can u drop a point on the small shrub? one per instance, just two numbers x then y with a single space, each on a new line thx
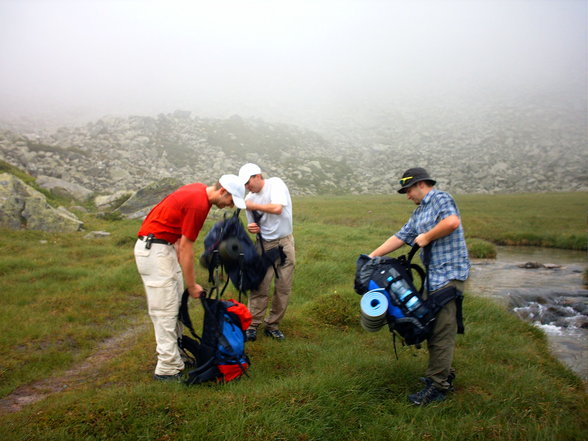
334 309
481 249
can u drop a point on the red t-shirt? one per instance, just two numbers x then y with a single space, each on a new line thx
183 212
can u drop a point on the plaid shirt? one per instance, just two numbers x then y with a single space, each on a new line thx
449 255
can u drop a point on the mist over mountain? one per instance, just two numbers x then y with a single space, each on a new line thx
334 96
484 147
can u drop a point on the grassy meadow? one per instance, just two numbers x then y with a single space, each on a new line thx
64 295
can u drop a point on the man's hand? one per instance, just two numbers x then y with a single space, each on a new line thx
195 291
422 241
253 228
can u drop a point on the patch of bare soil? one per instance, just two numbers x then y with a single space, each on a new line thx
86 371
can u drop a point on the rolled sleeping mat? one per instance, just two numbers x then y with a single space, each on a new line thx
374 308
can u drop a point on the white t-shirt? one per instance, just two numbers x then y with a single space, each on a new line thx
273 226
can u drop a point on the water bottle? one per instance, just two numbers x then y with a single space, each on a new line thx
401 289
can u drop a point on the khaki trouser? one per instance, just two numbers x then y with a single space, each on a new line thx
259 299
164 285
441 344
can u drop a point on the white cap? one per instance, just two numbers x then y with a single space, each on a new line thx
235 186
248 170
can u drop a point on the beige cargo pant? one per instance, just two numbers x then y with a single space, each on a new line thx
164 285
259 299
441 345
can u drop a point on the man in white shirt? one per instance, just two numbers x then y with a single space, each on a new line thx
269 216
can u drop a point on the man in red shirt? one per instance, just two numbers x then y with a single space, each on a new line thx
164 254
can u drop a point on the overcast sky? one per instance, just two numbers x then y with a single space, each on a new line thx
100 57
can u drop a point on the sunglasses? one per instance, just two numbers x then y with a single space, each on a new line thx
403 181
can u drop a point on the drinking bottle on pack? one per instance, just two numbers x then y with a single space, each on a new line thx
405 294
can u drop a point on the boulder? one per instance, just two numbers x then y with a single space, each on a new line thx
531 265
64 188
23 207
105 202
97 235
139 205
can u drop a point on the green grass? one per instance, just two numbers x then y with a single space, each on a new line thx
62 295
556 220
481 249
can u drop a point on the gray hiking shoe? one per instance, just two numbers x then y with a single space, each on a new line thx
175 377
276 334
251 335
428 395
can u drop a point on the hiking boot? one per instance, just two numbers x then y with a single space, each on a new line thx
175 377
276 334
427 381
251 335
429 394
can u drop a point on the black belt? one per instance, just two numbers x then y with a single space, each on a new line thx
152 239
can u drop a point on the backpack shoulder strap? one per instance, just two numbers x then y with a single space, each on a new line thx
407 261
184 315
257 217
412 252
422 275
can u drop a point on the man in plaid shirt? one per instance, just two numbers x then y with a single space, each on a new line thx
436 225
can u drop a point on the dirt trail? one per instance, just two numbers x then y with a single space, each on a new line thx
79 374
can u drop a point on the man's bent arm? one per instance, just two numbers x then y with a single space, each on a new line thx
442 229
266 208
391 244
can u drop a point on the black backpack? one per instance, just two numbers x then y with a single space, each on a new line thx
219 354
408 314
227 245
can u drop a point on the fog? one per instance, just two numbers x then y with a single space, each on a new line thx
285 59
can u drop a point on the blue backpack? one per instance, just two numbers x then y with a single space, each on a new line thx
407 314
219 353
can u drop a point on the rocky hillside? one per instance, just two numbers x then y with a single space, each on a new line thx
494 151
114 154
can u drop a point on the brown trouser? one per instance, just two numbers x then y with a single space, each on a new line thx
441 344
259 299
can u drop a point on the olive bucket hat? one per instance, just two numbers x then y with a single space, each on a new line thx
412 176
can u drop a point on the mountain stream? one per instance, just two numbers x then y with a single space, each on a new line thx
545 287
